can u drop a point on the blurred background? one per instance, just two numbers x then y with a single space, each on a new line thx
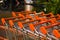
7 6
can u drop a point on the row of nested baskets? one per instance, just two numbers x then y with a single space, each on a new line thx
27 25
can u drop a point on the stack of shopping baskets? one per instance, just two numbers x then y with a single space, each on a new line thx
27 25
